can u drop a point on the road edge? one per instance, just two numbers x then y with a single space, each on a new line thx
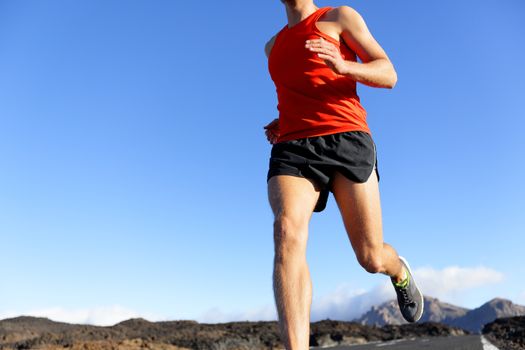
487 345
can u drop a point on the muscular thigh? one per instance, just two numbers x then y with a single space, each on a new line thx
292 197
360 207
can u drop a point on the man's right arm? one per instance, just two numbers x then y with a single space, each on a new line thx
269 45
272 129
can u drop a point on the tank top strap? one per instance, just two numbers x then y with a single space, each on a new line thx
315 17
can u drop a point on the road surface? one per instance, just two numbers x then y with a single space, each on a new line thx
468 342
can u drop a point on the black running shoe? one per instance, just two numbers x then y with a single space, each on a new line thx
409 296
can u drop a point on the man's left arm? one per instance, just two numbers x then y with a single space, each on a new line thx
376 70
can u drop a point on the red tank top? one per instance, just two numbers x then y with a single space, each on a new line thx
312 99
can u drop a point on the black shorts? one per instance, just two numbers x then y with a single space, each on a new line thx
352 153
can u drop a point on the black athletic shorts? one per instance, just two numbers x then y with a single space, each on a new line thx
352 153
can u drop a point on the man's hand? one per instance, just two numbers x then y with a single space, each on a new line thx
329 53
272 131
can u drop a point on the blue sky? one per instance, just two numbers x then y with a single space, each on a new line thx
134 161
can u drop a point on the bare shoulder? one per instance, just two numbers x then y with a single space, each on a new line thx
357 36
349 18
347 11
269 45
339 20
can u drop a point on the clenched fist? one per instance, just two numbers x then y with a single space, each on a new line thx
272 131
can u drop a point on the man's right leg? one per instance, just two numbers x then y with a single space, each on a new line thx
293 200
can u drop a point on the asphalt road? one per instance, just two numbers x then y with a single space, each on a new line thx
469 342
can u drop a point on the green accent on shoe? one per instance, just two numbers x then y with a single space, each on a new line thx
403 283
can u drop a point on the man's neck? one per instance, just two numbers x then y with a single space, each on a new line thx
298 10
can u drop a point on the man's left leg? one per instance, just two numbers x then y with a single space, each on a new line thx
360 207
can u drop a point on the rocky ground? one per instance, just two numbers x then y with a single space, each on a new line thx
507 333
41 333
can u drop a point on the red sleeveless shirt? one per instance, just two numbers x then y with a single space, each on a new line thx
313 100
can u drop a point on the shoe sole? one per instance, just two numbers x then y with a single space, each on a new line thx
418 316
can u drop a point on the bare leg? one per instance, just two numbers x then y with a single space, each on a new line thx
360 208
292 200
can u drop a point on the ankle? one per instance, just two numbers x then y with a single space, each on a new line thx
401 277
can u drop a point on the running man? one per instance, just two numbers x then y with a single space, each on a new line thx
321 144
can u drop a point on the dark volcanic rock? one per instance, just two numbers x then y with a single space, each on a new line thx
41 333
30 333
331 333
506 333
432 329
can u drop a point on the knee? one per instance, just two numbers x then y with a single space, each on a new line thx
371 262
290 236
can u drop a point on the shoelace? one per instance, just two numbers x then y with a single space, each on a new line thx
404 294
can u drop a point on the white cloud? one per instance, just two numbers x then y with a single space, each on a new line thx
100 316
451 282
347 303
448 284
215 315
344 303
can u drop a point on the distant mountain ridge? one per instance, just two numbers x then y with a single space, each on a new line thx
437 311
474 320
